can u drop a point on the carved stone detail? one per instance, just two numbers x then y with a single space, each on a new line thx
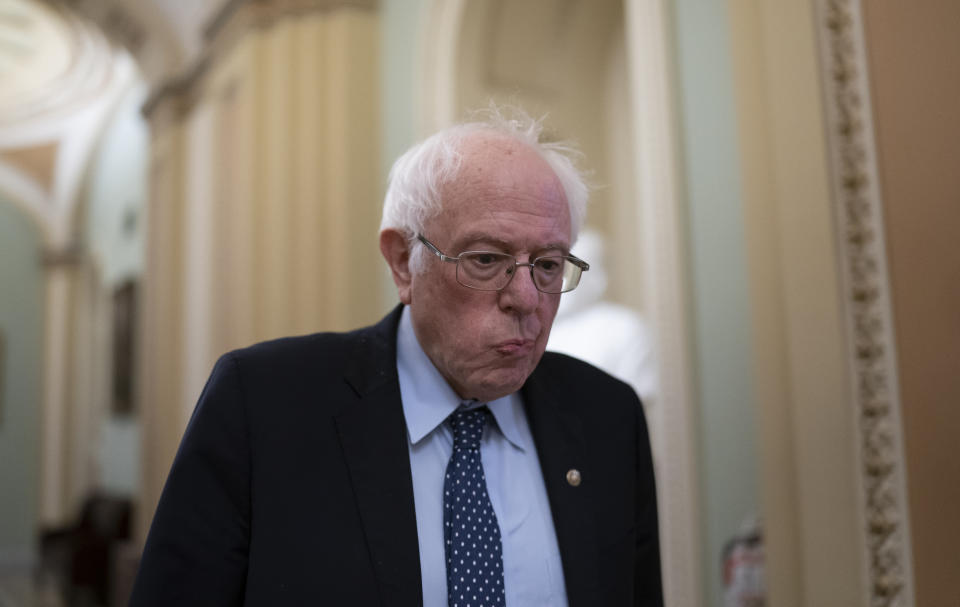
872 353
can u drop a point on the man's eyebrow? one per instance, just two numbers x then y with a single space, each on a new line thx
555 245
483 238
487 239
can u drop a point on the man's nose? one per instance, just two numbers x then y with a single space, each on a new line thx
521 295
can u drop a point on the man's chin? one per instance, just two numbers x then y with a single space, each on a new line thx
496 386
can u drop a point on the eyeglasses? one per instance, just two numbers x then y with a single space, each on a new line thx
491 271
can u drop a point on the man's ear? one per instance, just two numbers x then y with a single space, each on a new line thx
395 249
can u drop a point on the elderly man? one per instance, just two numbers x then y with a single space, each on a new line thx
439 457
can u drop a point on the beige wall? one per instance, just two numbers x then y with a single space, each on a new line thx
914 56
807 469
265 204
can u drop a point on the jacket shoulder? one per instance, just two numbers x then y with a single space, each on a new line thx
570 379
363 358
289 350
319 352
563 369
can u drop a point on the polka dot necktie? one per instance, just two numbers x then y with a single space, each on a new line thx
470 530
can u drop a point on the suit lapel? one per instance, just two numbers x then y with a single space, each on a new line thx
373 437
561 447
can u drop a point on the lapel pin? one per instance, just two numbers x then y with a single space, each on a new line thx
573 477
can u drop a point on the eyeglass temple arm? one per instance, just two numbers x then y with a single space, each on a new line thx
435 250
584 266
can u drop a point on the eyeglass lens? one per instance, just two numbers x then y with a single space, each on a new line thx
492 271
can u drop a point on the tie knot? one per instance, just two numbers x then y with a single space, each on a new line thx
467 426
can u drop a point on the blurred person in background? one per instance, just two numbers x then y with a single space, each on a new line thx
439 457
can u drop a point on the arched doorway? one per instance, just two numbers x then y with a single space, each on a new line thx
600 70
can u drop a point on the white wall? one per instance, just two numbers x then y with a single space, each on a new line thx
113 236
117 191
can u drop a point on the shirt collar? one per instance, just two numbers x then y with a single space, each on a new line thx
428 399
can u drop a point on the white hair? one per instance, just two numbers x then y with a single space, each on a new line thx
418 176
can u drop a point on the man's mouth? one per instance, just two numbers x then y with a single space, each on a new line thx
514 347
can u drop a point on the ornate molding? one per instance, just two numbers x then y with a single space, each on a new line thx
264 11
232 21
867 305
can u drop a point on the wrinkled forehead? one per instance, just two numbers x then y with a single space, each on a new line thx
494 165
484 151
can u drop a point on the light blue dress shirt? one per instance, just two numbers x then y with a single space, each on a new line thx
532 570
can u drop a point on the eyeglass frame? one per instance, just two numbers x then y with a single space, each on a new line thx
583 265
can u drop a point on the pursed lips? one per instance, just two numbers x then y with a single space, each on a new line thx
514 347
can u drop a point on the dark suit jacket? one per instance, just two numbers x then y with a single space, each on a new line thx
292 484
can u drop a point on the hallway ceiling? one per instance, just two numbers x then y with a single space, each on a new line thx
61 77
50 64
164 36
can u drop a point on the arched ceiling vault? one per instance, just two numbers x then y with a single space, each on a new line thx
64 66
